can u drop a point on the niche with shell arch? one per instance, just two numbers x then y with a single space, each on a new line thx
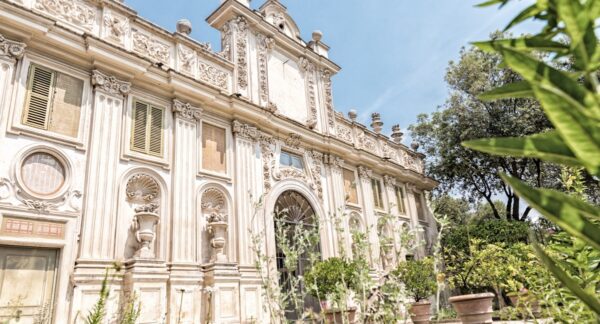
143 196
216 238
355 227
386 243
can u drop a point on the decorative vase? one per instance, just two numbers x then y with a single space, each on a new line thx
474 308
420 312
218 230
145 233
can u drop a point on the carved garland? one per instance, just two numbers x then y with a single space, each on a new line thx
150 47
71 198
242 49
329 98
212 75
265 43
75 12
309 68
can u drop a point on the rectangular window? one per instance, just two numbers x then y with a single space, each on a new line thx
377 193
53 101
214 146
147 129
287 159
400 199
419 206
350 187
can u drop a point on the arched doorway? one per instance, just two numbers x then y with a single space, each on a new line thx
295 215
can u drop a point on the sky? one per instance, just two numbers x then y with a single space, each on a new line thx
393 53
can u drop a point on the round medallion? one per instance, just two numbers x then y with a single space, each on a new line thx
43 174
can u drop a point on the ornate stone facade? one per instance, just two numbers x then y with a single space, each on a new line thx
163 154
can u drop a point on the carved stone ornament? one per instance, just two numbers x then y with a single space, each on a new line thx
294 141
76 12
11 48
187 59
213 200
389 181
365 173
11 193
117 27
186 111
213 75
265 43
345 134
241 46
326 75
316 169
142 189
268 158
245 131
333 161
226 36
213 206
149 47
110 84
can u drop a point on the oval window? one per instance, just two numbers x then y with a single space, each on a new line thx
42 173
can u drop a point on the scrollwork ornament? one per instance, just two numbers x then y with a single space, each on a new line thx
365 173
186 111
11 48
110 84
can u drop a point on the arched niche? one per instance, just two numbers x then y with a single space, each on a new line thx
386 243
214 202
141 190
355 228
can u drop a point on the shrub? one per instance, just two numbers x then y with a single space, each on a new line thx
488 232
418 277
327 278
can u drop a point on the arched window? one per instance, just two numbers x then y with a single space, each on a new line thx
296 228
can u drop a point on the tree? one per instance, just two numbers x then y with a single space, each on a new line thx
464 117
457 209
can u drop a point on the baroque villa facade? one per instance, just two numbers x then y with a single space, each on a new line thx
123 142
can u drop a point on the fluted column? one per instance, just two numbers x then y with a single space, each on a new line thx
10 53
99 216
337 199
248 185
365 176
184 218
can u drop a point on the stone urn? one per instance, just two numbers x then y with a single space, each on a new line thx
145 233
420 312
474 308
218 230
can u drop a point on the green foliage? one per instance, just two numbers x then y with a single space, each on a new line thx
456 209
457 238
131 311
418 277
571 101
98 312
328 277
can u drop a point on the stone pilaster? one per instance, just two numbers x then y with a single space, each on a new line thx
184 245
10 53
337 199
365 176
99 219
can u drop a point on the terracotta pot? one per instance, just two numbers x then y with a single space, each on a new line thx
475 308
337 316
521 300
420 313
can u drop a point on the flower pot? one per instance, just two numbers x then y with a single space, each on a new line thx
336 316
475 308
524 300
420 313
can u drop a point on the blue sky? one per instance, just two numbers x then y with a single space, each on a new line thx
393 53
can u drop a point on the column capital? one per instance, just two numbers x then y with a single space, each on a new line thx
365 173
186 111
389 181
335 162
110 84
9 48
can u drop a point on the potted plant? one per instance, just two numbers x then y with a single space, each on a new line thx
466 273
527 271
418 277
331 281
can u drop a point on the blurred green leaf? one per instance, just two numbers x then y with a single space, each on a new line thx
589 299
520 89
529 43
570 213
546 146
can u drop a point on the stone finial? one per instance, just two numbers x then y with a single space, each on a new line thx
397 134
376 124
184 26
352 114
414 146
317 35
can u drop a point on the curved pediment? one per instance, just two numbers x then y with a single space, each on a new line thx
276 14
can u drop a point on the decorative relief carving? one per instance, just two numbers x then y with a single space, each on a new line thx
389 153
316 168
333 161
389 181
187 59
241 44
245 131
365 173
265 43
150 47
309 68
213 200
367 143
75 12
110 84
11 48
226 36
186 111
326 74
9 191
117 27
213 75
294 141
345 134
268 157
142 189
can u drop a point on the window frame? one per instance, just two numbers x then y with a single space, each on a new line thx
401 200
229 148
127 153
356 189
380 196
148 128
20 95
292 154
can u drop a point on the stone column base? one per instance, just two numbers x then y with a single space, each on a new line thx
221 293
146 280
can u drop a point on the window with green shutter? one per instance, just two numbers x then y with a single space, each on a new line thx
53 101
147 129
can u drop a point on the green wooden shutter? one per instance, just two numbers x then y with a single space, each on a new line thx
40 91
139 127
155 138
